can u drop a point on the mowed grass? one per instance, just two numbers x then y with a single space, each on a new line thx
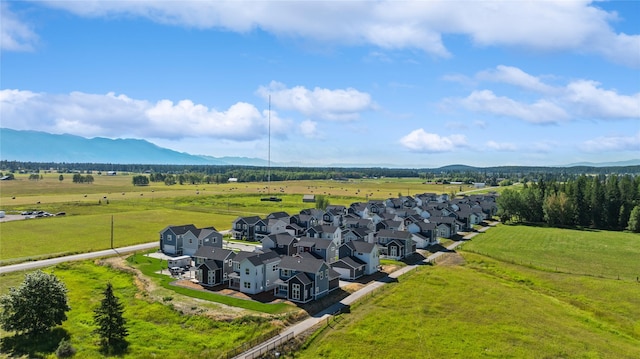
156 330
469 311
151 266
589 252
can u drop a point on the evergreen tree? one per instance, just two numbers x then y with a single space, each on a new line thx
111 324
634 220
38 304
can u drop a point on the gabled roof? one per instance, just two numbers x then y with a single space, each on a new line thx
206 232
278 215
302 278
349 262
242 255
214 253
263 258
361 246
283 239
211 264
248 220
325 229
320 243
302 264
179 230
387 233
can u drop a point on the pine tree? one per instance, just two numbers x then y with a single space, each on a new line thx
111 324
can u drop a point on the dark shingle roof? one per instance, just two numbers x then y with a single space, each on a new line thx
306 264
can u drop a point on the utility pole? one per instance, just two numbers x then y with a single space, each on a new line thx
111 231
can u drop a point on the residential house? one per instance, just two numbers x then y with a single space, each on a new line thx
213 265
281 243
395 244
248 228
259 272
327 250
305 278
368 253
186 239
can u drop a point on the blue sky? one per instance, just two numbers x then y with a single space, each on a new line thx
391 83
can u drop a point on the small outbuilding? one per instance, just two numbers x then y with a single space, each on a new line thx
309 198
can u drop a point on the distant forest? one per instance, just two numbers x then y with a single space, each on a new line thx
604 202
220 174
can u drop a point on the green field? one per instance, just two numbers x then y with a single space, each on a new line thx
589 252
140 213
157 328
490 307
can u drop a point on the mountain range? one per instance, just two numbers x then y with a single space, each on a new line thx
36 146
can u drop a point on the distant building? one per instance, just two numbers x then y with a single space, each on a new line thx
309 198
232 179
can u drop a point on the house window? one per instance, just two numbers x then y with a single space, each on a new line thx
230 263
247 285
285 273
321 275
169 238
275 267
190 240
295 291
246 271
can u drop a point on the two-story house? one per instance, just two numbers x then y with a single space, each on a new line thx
213 265
305 278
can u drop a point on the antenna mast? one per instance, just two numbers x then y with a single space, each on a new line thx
269 153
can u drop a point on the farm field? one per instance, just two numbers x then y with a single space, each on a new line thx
582 252
491 307
140 213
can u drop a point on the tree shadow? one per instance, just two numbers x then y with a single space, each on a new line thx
36 345
117 348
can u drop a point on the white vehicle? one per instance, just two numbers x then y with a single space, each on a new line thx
180 262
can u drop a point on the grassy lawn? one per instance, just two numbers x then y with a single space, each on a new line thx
150 266
468 311
494 306
156 329
588 252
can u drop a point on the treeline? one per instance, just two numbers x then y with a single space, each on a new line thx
604 202
219 174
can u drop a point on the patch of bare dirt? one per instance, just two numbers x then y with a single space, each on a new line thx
148 290
450 259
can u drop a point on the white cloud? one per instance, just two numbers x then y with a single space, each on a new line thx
309 129
502 146
542 111
576 26
113 115
575 100
515 76
421 141
595 102
613 143
15 35
337 105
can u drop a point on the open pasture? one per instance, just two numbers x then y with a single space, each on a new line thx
584 252
141 212
490 307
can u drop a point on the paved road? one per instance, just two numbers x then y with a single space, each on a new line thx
310 322
104 253
76 257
